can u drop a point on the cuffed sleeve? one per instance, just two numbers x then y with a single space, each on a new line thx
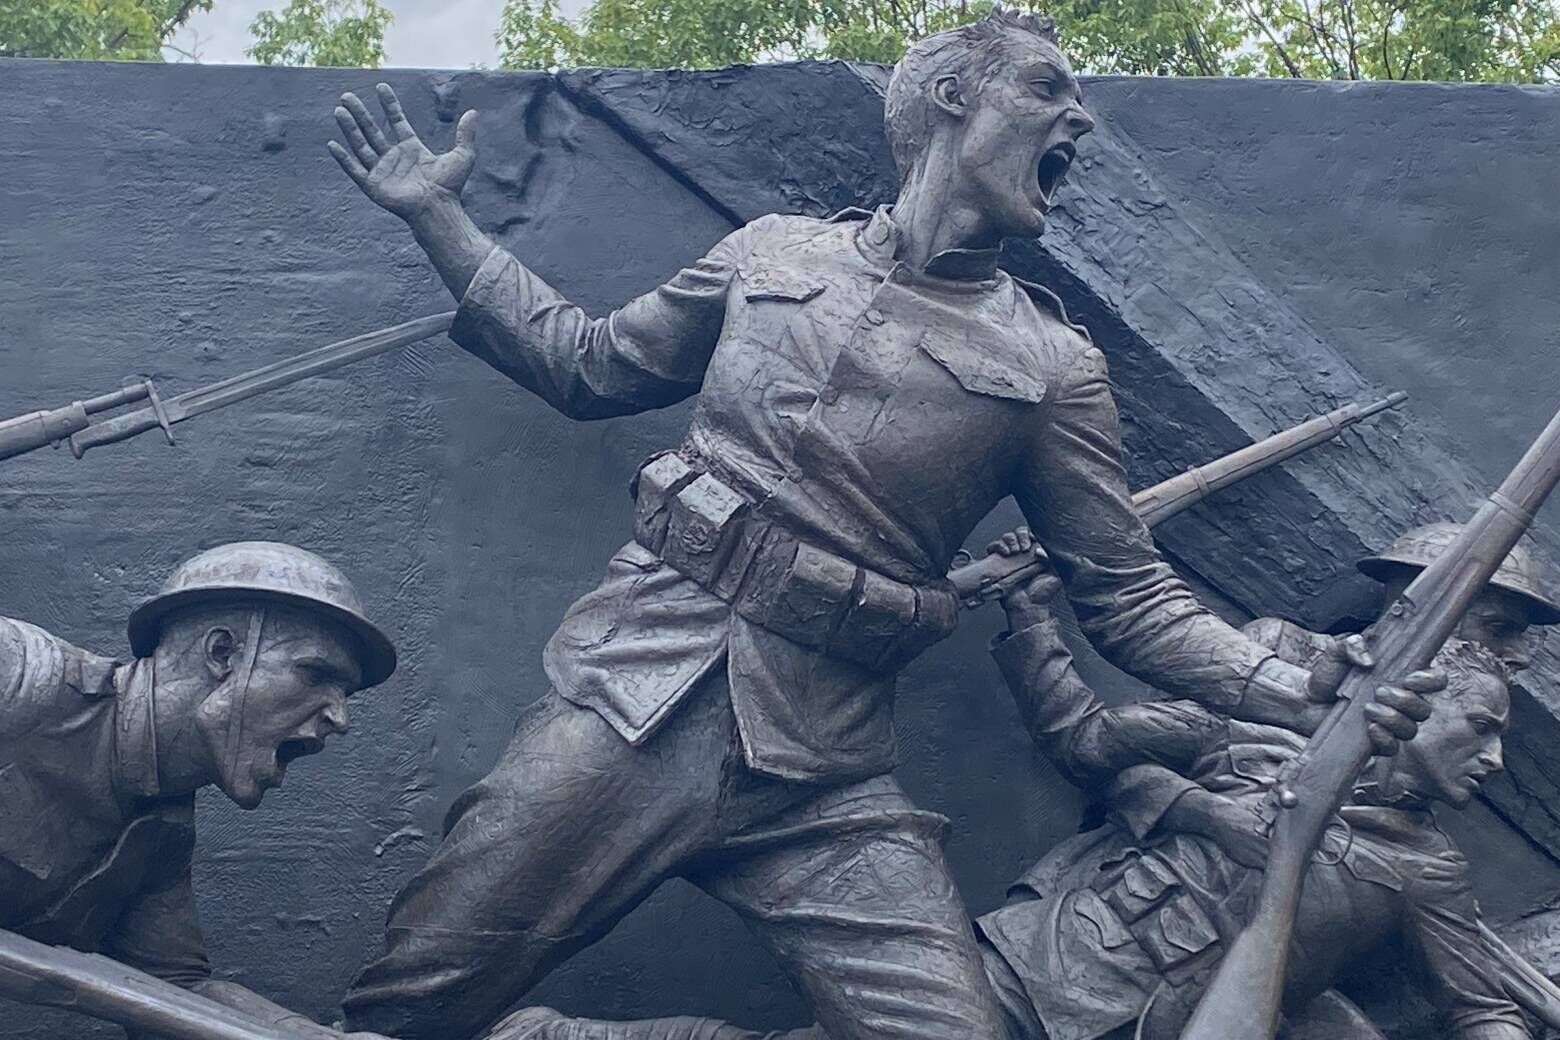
648 354
1140 797
1132 607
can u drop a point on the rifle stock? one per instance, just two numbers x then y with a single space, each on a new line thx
992 576
1243 1001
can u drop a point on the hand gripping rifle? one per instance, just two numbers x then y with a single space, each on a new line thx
74 423
91 984
1244 999
992 576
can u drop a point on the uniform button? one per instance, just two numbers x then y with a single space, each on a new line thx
828 395
874 316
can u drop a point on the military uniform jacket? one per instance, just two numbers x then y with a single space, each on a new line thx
872 410
90 855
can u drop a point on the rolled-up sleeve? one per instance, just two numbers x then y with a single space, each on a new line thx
1132 607
647 354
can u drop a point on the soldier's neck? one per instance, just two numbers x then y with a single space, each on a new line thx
933 216
184 760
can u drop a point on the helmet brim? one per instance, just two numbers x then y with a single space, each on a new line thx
1541 609
375 652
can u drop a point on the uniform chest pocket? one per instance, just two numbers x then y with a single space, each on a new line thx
990 367
767 281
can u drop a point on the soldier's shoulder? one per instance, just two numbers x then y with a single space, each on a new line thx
795 225
1064 345
37 667
1050 307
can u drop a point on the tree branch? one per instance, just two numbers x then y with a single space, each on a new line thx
1278 46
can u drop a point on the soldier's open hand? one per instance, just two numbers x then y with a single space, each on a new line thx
401 174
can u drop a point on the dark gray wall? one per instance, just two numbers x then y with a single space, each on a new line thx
186 223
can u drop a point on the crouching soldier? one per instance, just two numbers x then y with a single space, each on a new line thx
243 663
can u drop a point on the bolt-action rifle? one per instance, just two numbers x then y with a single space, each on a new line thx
73 423
992 576
89 983
1243 1001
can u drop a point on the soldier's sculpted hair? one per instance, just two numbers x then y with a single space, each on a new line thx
969 52
1464 661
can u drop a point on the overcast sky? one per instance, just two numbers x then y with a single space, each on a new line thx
435 34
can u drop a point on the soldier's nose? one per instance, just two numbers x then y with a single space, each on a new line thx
1079 121
335 716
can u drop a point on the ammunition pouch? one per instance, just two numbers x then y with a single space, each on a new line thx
710 533
1157 909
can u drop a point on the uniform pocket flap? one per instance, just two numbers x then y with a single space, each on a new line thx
979 371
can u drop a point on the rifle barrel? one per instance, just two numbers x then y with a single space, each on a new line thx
261 380
1244 998
91 984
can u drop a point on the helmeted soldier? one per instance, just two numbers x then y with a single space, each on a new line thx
243 663
869 387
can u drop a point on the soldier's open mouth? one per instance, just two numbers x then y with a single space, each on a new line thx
298 747
1052 168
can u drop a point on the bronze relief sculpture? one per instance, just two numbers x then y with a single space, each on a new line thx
865 389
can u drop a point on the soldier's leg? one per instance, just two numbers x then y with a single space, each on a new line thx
570 831
850 891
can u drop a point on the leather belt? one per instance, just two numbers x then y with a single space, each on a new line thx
707 531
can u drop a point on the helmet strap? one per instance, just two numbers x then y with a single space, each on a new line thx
240 680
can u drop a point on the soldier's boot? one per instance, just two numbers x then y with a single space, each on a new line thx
539 1023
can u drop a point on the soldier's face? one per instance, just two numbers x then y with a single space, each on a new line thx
1019 136
1499 621
296 697
1460 744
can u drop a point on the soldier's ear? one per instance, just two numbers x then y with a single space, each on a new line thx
948 95
220 645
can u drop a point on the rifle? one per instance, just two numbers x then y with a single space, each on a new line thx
991 576
73 422
1527 987
1243 1001
91 984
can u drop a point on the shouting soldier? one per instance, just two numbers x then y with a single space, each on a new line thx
243 663
721 705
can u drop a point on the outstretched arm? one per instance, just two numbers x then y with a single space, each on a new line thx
1133 608
650 353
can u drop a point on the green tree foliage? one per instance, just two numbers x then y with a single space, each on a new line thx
127 30
1489 40
343 33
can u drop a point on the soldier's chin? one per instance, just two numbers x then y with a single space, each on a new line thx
244 789
1462 792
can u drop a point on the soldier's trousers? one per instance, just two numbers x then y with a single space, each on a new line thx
846 885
